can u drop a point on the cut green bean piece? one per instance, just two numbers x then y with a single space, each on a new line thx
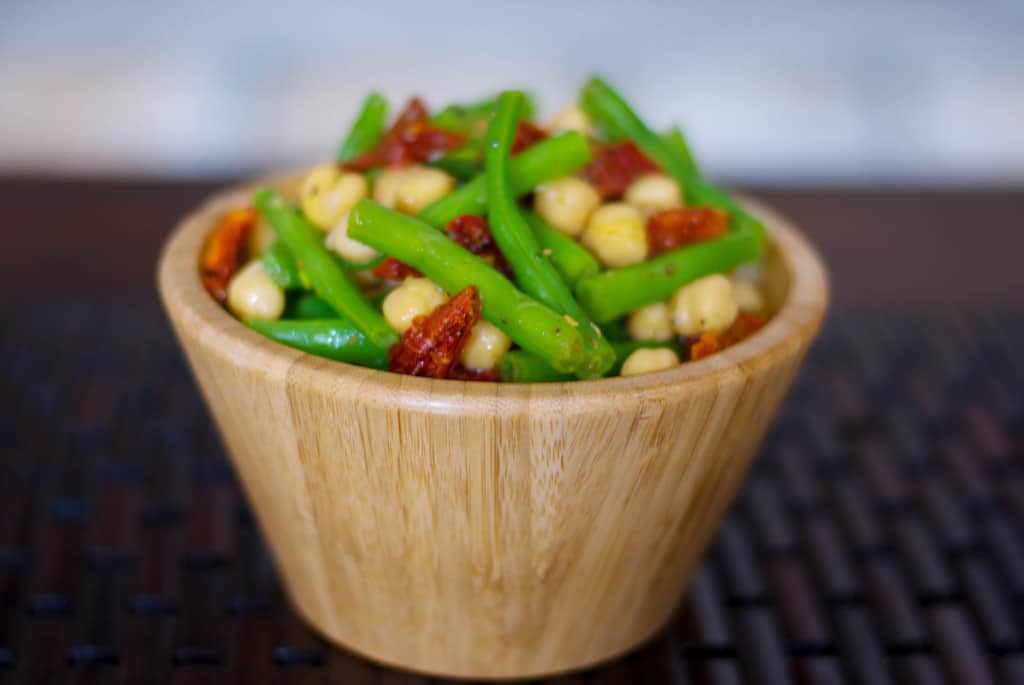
335 339
463 163
616 330
366 130
470 118
536 275
547 160
530 324
308 306
280 265
571 259
616 292
327 276
676 142
520 366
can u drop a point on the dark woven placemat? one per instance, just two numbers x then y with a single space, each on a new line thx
878 538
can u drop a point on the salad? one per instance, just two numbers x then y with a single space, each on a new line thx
476 244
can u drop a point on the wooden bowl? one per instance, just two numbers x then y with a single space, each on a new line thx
478 529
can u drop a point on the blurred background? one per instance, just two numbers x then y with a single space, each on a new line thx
800 92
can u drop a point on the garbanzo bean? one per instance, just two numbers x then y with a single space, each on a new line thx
747 295
654 192
652 322
486 346
352 251
414 297
566 203
328 194
705 306
420 187
649 360
616 235
252 294
571 118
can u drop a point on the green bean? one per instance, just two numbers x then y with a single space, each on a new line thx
616 292
612 293
676 142
571 259
280 265
366 130
616 330
703 194
519 366
327 276
308 306
613 114
463 163
470 118
332 338
534 274
549 159
530 324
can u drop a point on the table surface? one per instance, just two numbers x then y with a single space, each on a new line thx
879 537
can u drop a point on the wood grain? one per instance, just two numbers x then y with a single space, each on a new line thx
479 529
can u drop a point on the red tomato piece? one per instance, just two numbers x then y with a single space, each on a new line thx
222 254
432 344
672 228
472 232
615 166
527 135
411 139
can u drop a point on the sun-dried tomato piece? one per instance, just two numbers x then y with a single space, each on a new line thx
222 254
672 228
411 139
461 373
615 166
393 270
432 344
745 325
527 135
706 345
471 232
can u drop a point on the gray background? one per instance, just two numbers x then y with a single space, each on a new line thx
792 92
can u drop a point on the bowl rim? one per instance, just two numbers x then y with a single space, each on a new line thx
200 317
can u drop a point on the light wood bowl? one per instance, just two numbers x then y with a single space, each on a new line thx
478 529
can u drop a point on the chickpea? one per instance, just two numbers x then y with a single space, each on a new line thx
261 237
252 294
571 118
352 251
705 306
566 203
485 347
654 192
385 188
420 187
414 297
649 360
616 234
328 194
747 295
652 322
